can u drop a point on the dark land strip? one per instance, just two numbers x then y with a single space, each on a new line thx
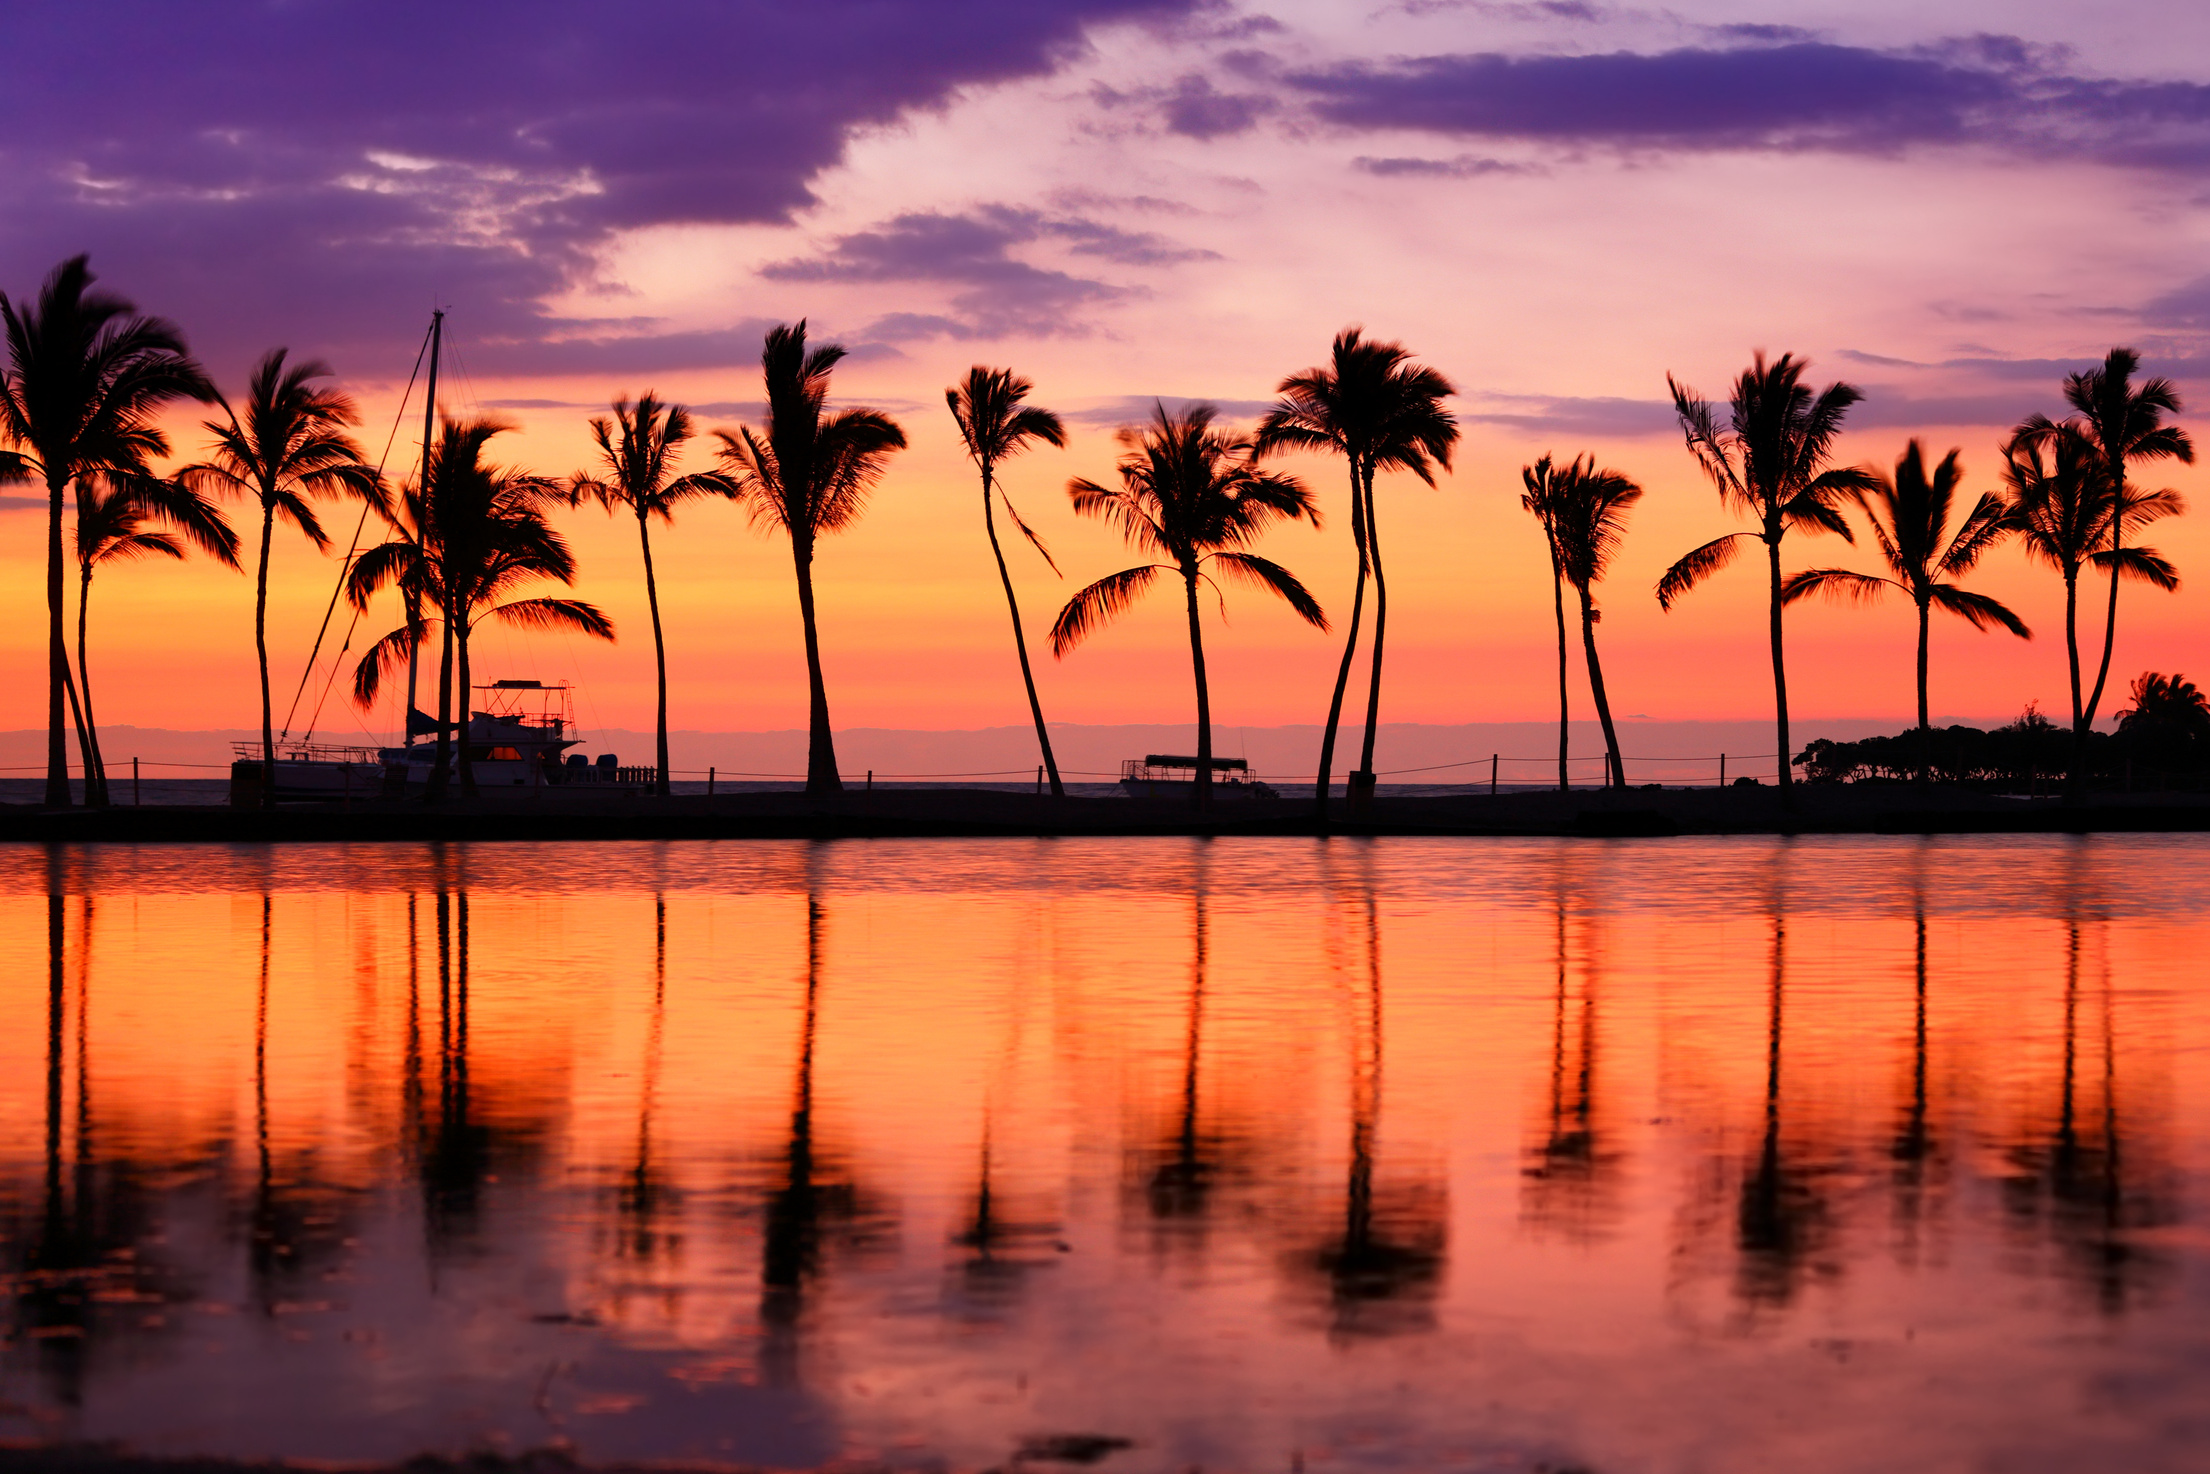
976 813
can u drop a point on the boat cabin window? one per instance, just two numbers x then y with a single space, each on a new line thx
498 755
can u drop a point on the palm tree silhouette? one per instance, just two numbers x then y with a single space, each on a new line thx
2125 424
290 446
1583 512
472 538
1379 410
1195 495
1909 517
995 425
86 375
638 448
809 473
1769 463
2059 493
118 524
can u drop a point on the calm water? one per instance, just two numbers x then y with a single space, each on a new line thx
1710 1155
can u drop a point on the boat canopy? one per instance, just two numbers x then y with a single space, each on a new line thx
1219 764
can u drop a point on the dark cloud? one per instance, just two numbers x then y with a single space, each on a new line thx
1194 110
1799 94
1135 409
996 292
1600 417
319 173
1465 166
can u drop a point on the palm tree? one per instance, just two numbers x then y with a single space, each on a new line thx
1379 410
290 446
2059 490
1195 496
2125 424
809 473
995 426
117 524
1769 463
1909 517
86 374
1585 515
1537 499
461 547
638 447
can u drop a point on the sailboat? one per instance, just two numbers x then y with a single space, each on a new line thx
516 733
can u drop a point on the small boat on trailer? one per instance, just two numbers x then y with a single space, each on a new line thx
1166 775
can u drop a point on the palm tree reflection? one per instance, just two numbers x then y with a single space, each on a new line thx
2080 1182
1916 1155
646 1197
1781 1218
1569 1185
1381 1270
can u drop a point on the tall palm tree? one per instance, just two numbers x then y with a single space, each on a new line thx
1536 499
1769 463
118 524
2125 424
460 547
638 448
1375 407
1586 519
808 472
996 425
86 375
290 446
1909 517
1192 495
2058 487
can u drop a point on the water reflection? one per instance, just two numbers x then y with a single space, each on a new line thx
1287 1151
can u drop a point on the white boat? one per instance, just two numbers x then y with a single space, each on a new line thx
517 737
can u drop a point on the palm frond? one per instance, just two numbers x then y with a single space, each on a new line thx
1259 572
553 614
1028 532
1842 585
1100 603
2142 565
1978 610
1697 566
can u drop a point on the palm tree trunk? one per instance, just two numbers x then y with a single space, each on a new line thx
1925 721
821 773
441 769
88 734
1557 601
1350 650
1780 674
1612 759
659 656
2078 776
1201 795
261 655
76 713
57 653
1381 621
2072 658
1020 641
463 618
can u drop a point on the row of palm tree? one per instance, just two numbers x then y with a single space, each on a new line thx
88 375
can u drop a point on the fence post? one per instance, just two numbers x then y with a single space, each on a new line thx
709 781
1492 774
1039 778
870 780
1722 770
135 802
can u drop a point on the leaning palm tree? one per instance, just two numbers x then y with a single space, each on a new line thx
1909 517
290 446
1769 463
1375 407
1537 500
460 548
1586 521
120 524
2125 424
638 448
1192 495
2058 487
808 472
85 377
995 426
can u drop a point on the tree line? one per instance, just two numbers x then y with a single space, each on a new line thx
467 539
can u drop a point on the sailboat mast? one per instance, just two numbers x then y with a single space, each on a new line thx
429 428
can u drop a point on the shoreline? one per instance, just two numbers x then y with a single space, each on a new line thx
955 813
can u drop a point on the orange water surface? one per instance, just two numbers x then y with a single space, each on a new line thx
1686 1155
